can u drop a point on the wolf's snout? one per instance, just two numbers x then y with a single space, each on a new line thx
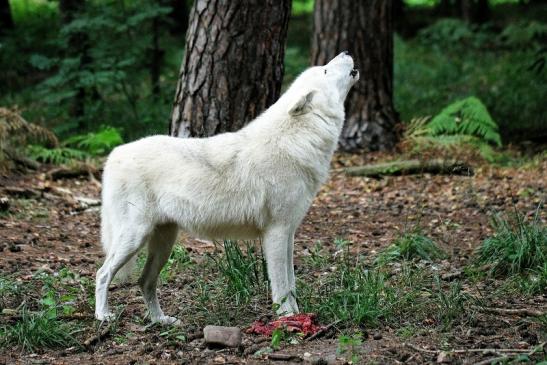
347 53
353 72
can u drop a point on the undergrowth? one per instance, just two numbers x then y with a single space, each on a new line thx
517 246
410 246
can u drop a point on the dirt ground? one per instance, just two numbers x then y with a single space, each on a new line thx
49 228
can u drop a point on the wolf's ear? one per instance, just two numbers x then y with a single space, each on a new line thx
303 104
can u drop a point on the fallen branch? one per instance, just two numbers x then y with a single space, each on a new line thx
99 336
75 171
409 167
14 314
463 351
507 357
283 357
519 312
322 331
21 192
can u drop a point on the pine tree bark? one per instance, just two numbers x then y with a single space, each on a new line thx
365 29
6 20
233 65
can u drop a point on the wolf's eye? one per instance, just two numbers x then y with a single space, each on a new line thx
325 72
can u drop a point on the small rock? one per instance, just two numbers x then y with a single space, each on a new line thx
14 248
443 357
377 336
4 204
222 336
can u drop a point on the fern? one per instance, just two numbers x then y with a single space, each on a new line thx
56 156
16 132
467 117
99 143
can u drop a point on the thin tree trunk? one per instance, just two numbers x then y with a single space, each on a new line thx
78 45
6 20
365 28
475 11
156 58
233 65
179 16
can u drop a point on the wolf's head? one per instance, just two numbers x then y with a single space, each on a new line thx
323 87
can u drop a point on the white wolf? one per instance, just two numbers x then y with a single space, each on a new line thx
255 183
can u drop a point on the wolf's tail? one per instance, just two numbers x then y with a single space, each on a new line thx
109 237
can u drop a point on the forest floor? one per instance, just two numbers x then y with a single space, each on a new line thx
49 238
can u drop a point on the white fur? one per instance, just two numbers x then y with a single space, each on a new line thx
255 183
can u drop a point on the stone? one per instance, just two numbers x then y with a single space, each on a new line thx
222 336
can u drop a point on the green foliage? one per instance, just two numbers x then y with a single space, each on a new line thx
410 246
517 246
300 7
56 156
451 303
16 132
351 294
178 260
467 117
523 34
96 143
96 67
35 331
349 347
431 72
245 273
446 31
43 328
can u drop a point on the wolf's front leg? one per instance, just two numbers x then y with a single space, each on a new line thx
276 242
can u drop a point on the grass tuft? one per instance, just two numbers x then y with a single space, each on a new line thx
245 272
38 330
516 247
410 246
350 294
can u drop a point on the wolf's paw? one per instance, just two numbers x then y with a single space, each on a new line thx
167 320
106 316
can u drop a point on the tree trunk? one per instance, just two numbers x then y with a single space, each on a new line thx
475 11
233 65
6 20
179 16
78 45
156 58
472 11
365 28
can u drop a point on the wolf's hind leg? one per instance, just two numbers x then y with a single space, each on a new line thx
159 249
127 244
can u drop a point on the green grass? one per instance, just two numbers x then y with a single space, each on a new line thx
40 330
517 246
410 246
243 270
178 260
351 293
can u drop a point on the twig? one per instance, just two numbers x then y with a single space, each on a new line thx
14 314
463 351
283 357
520 311
506 357
322 331
99 336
